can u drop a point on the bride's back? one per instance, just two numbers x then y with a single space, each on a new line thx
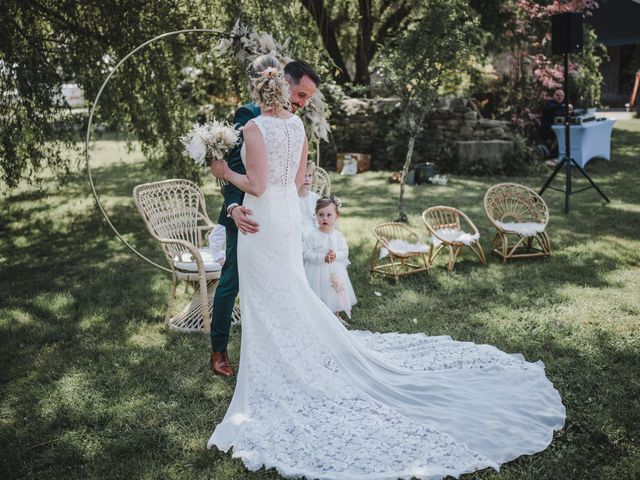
277 210
283 139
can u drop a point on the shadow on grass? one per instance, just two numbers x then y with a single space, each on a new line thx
93 385
87 362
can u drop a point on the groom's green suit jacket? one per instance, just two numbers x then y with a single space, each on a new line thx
233 194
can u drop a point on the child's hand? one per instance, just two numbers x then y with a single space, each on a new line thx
330 257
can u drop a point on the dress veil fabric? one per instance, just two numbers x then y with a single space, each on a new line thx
313 399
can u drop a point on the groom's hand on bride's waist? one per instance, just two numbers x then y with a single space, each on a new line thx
240 216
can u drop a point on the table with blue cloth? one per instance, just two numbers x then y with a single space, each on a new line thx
589 140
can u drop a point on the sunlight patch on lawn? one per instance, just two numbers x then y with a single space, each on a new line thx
91 321
615 307
138 407
16 316
86 443
67 210
624 206
219 390
147 338
598 251
58 304
73 398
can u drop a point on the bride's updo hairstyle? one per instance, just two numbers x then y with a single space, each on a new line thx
269 89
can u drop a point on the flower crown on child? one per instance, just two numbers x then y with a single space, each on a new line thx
324 202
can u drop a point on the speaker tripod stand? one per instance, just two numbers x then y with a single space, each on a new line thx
567 161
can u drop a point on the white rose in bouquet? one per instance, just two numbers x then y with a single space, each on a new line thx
197 150
210 141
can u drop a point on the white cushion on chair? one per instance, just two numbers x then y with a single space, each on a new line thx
452 235
524 229
402 247
185 262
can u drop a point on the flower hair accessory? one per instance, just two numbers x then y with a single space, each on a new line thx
336 201
270 72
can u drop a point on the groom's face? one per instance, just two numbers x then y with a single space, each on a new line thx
300 92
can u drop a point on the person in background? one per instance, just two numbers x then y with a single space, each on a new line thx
308 200
552 109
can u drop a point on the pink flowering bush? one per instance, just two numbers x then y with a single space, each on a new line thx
528 73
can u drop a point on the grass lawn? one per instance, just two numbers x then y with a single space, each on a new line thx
92 385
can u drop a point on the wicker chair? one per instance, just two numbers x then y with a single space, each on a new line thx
321 182
520 213
391 241
175 215
449 227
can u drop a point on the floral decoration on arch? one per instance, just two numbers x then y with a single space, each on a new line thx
245 44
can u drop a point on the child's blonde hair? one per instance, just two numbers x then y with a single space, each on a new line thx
311 167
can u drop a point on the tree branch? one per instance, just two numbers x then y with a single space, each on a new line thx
384 5
326 27
392 23
43 11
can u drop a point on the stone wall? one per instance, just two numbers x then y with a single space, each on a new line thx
456 137
365 126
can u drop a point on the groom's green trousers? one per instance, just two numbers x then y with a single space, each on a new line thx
225 296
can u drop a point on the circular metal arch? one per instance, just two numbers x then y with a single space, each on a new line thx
93 108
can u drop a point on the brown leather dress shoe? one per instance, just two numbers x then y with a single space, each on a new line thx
221 365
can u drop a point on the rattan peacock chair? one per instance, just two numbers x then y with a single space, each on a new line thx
520 214
450 228
406 253
321 182
175 214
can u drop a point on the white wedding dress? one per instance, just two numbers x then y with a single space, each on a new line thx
313 399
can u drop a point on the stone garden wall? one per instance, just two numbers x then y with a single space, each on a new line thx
456 138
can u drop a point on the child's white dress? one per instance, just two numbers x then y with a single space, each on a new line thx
308 213
325 277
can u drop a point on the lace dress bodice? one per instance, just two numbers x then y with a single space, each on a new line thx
283 140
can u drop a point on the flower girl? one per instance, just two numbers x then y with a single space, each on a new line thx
308 200
325 254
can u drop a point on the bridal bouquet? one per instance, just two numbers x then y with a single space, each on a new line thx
210 141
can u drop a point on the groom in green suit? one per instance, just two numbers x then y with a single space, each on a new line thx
303 81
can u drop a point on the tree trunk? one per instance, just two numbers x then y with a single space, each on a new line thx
327 30
364 51
369 39
402 216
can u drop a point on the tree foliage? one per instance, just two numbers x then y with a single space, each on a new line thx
353 32
153 96
162 88
414 66
45 44
520 42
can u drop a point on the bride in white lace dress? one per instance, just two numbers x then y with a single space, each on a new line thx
313 399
